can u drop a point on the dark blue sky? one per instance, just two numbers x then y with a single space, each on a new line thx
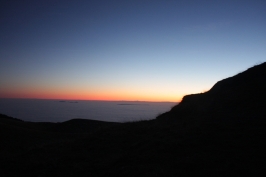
130 50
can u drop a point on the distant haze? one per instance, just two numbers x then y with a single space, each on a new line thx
126 50
36 110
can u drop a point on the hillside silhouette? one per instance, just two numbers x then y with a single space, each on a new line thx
217 133
238 98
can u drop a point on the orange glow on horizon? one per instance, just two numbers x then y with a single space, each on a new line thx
79 95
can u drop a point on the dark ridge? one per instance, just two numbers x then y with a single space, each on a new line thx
3 116
70 126
228 121
80 126
241 95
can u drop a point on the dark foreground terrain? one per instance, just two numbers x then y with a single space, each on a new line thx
218 133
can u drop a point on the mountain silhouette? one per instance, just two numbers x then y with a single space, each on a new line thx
226 123
239 97
217 133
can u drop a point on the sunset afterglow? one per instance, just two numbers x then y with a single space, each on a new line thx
126 50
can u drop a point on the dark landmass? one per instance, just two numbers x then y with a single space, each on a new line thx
73 102
129 104
217 133
62 101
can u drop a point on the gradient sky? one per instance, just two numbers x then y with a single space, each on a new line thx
126 49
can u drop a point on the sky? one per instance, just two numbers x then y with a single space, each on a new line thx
145 50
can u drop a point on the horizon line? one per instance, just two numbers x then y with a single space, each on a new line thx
66 99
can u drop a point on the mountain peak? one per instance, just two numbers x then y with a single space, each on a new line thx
240 95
